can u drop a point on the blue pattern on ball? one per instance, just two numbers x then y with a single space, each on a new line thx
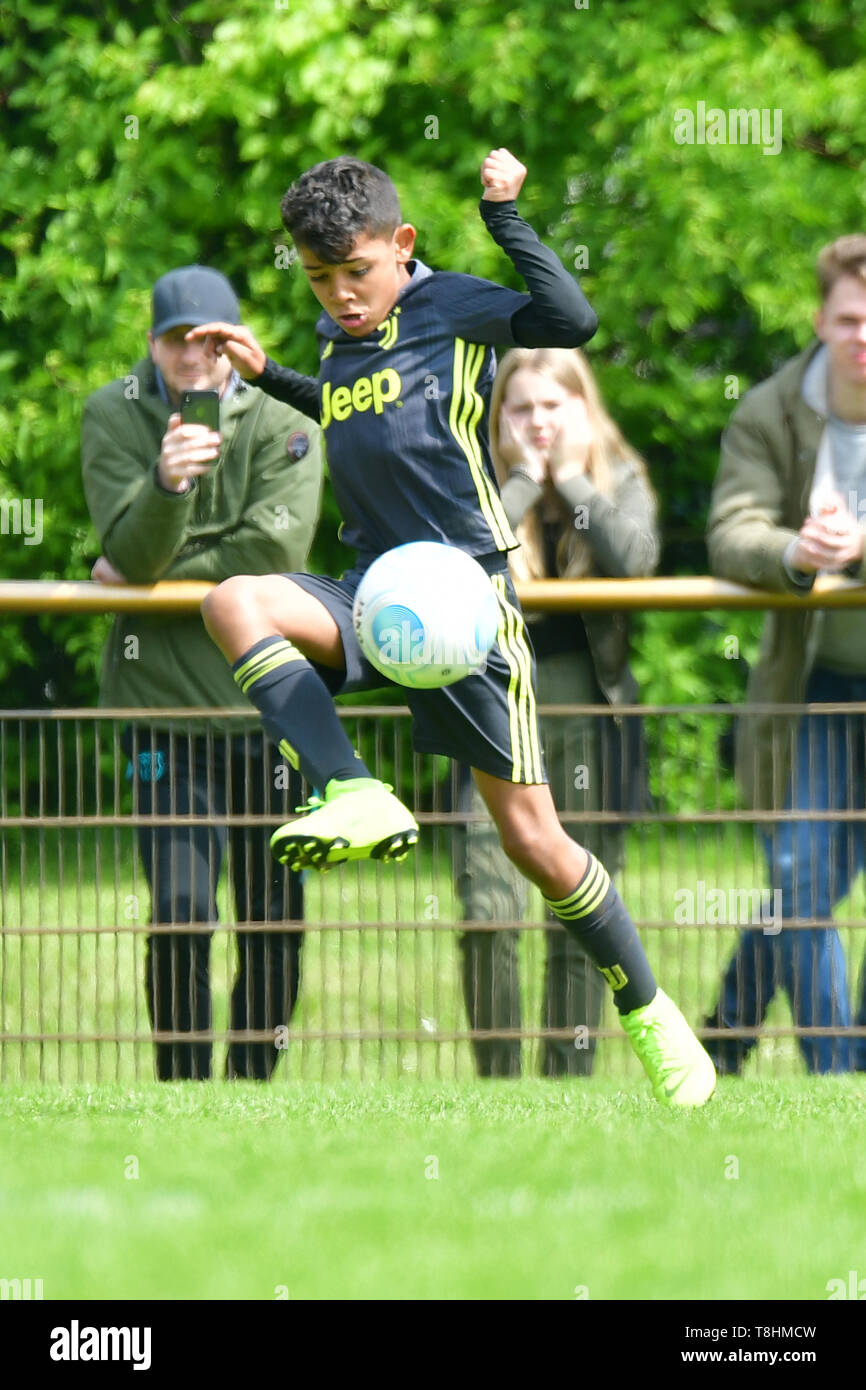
426 614
397 628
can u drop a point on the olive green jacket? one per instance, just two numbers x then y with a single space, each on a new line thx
255 512
760 499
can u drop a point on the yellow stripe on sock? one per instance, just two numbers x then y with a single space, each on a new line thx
591 894
588 895
281 654
289 753
280 646
250 664
272 665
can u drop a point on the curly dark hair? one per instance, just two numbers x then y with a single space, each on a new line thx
335 202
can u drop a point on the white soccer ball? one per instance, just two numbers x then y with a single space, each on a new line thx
426 615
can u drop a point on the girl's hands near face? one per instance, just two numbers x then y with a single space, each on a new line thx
516 452
569 449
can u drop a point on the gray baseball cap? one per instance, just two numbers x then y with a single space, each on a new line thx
192 294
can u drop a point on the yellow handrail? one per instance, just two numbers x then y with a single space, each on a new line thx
693 592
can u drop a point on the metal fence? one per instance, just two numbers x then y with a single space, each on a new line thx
377 958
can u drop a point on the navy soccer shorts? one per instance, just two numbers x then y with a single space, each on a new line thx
487 720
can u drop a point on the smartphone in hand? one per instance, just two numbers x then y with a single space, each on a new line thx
201 408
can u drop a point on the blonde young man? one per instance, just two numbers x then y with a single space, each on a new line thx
789 502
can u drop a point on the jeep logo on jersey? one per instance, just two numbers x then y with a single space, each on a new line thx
374 391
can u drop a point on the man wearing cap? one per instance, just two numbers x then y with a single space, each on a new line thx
176 501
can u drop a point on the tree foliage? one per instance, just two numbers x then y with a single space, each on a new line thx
143 137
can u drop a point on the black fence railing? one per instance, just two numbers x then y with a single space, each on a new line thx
379 974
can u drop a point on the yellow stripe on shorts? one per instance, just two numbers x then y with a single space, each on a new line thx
523 724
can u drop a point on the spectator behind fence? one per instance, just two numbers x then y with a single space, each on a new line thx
176 501
788 503
581 502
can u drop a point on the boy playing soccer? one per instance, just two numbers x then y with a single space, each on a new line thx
406 367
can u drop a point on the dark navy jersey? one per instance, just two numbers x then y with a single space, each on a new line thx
404 411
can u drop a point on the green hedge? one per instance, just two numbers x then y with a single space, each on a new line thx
149 136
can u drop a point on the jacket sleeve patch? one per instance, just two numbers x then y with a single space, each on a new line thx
297 445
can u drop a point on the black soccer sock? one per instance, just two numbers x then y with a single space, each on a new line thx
297 711
597 916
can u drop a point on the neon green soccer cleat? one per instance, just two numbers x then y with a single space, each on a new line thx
679 1068
356 819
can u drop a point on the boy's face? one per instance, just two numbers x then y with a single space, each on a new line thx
361 291
841 324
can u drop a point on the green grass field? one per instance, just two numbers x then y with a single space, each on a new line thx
415 1190
383 1169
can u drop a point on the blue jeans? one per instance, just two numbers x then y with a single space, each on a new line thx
813 863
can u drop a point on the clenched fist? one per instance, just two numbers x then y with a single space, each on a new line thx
502 176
